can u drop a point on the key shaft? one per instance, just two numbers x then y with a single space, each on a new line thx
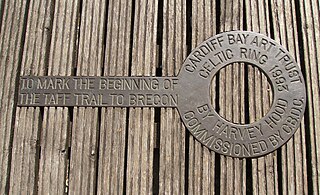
190 93
89 91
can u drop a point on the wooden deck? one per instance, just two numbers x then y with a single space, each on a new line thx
144 151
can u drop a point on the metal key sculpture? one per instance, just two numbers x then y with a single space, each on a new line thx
189 93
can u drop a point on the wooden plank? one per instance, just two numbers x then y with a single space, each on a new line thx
133 174
294 170
201 159
11 41
82 178
85 127
54 147
25 152
172 132
310 28
231 86
264 169
111 175
141 121
1 12
28 120
55 136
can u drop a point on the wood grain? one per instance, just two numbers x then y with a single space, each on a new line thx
264 169
29 120
293 154
231 97
11 47
201 159
172 133
141 121
310 32
148 151
1 11
85 126
113 132
55 135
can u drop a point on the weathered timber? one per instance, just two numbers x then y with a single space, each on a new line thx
293 154
264 169
55 133
141 121
11 47
231 97
201 160
85 126
172 133
113 131
29 120
123 150
310 33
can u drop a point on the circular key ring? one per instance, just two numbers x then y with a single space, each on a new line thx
241 140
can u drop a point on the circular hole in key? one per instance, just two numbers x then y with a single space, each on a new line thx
241 93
